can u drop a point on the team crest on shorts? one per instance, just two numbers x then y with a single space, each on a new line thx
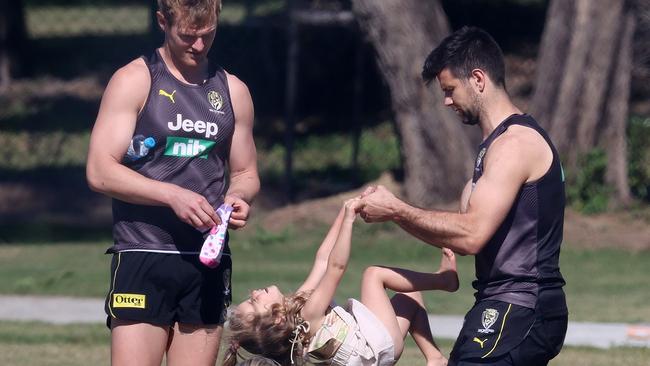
488 319
216 101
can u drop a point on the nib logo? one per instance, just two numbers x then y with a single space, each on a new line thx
183 147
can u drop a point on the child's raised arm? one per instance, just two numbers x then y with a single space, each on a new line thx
322 254
337 262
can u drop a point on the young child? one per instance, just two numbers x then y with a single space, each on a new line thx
305 326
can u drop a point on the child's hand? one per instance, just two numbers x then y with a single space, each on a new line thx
351 206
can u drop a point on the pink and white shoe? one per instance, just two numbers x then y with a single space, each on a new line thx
213 246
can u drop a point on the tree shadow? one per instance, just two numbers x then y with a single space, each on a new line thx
67 113
52 201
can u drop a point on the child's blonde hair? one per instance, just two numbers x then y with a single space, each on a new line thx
279 335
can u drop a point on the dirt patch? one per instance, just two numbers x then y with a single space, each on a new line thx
318 211
610 230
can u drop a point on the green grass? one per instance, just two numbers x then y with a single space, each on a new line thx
24 150
67 21
602 285
323 163
38 344
76 20
63 269
23 343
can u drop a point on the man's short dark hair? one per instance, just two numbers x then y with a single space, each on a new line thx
464 50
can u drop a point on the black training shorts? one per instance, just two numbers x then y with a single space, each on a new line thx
163 288
499 334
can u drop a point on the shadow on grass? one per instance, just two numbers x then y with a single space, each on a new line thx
318 183
51 204
67 114
51 233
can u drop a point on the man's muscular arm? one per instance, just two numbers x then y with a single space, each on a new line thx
123 98
244 179
508 165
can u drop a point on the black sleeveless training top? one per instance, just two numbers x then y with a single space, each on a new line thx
193 127
522 258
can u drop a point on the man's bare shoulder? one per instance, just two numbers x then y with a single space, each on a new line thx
523 146
238 88
135 72
241 99
520 139
129 86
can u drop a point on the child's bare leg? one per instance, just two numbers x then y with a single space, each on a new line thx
376 279
405 280
374 297
412 317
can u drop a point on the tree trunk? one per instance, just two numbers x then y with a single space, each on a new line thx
437 150
583 82
616 114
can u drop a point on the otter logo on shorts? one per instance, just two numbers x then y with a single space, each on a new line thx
488 319
216 101
129 301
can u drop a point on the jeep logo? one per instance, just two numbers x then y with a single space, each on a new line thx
187 125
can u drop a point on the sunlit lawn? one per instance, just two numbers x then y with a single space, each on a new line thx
603 285
37 344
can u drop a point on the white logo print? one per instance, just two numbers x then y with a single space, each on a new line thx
488 319
208 128
480 158
216 101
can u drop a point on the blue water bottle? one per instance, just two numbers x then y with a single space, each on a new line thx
139 148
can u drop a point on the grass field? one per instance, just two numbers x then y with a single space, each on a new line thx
74 20
602 285
38 344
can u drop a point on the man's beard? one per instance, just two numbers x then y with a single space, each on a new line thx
470 119
472 115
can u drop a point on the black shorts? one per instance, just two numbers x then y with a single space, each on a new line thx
499 333
162 289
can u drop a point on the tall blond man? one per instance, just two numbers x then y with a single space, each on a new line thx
162 302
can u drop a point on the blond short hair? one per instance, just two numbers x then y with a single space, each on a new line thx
193 12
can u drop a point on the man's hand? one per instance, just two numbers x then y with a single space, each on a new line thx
367 191
193 209
377 204
240 212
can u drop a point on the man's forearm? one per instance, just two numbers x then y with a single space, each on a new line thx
117 181
245 186
438 228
